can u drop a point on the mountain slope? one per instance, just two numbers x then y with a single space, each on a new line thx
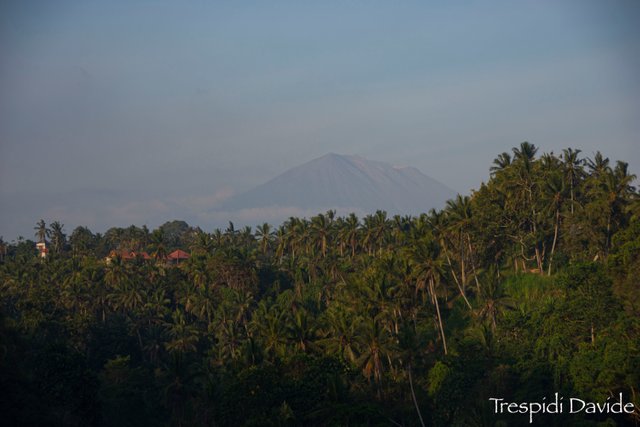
346 183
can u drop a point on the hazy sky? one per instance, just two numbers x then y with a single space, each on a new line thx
121 112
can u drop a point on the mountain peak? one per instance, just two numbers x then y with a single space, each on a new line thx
346 183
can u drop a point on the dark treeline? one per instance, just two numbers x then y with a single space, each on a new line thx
528 287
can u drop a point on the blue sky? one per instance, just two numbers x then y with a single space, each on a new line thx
120 112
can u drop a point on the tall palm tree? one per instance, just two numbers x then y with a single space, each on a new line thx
555 189
376 345
349 233
374 229
320 232
409 348
428 269
525 153
269 326
159 245
58 238
617 189
264 234
524 185
599 165
42 232
459 214
573 172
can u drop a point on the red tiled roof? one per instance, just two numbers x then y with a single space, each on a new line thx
178 254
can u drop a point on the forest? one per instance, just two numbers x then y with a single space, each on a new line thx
527 287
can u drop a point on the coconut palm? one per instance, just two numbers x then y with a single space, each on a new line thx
573 171
493 300
617 190
58 238
525 153
301 330
459 215
320 232
598 166
183 336
202 244
265 235
377 345
555 189
269 326
349 233
428 269
159 245
42 232
501 162
340 333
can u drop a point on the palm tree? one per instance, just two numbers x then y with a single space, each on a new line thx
555 189
525 153
116 274
203 243
301 330
525 186
269 325
183 336
617 190
320 231
340 333
375 226
294 235
158 242
599 166
349 233
58 238
459 213
265 237
501 162
230 337
572 171
376 344
428 268
42 232
409 348
493 300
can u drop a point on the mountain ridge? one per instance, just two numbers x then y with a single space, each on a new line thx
346 182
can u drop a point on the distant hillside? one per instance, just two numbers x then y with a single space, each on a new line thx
346 183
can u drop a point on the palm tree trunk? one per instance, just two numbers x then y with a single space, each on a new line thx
571 184
435 302
455 276
555 238
413 395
